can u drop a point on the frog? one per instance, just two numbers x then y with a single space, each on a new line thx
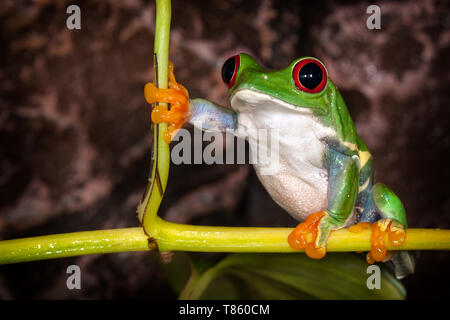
325 176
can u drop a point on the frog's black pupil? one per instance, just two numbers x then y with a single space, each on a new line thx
228 70
310 75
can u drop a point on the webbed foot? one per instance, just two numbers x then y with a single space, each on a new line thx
396 235
178 98
307 235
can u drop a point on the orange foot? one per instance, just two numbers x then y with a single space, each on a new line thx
306 234
178 98
394 230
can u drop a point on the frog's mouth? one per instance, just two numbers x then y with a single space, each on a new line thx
249 100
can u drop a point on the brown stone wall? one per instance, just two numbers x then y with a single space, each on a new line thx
74 126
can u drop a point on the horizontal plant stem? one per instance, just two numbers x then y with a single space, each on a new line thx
180 237
72 244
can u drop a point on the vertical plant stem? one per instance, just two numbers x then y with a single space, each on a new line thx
148 208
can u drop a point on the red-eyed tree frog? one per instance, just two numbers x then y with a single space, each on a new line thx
325 177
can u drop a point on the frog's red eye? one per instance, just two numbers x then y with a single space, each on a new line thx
310 75
230 69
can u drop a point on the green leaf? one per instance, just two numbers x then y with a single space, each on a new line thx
289 276
177 270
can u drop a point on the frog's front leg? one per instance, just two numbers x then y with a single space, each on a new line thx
312 235
201 113
209 116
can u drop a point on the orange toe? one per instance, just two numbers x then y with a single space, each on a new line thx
396 233
304 236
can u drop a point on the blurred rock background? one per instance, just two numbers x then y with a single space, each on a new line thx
74 126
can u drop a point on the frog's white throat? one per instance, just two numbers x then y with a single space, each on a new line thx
247 98
260 111
300 184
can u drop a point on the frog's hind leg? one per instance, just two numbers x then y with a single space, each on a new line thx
385 210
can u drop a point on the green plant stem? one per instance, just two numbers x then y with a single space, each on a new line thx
72 244
148 208
179 237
